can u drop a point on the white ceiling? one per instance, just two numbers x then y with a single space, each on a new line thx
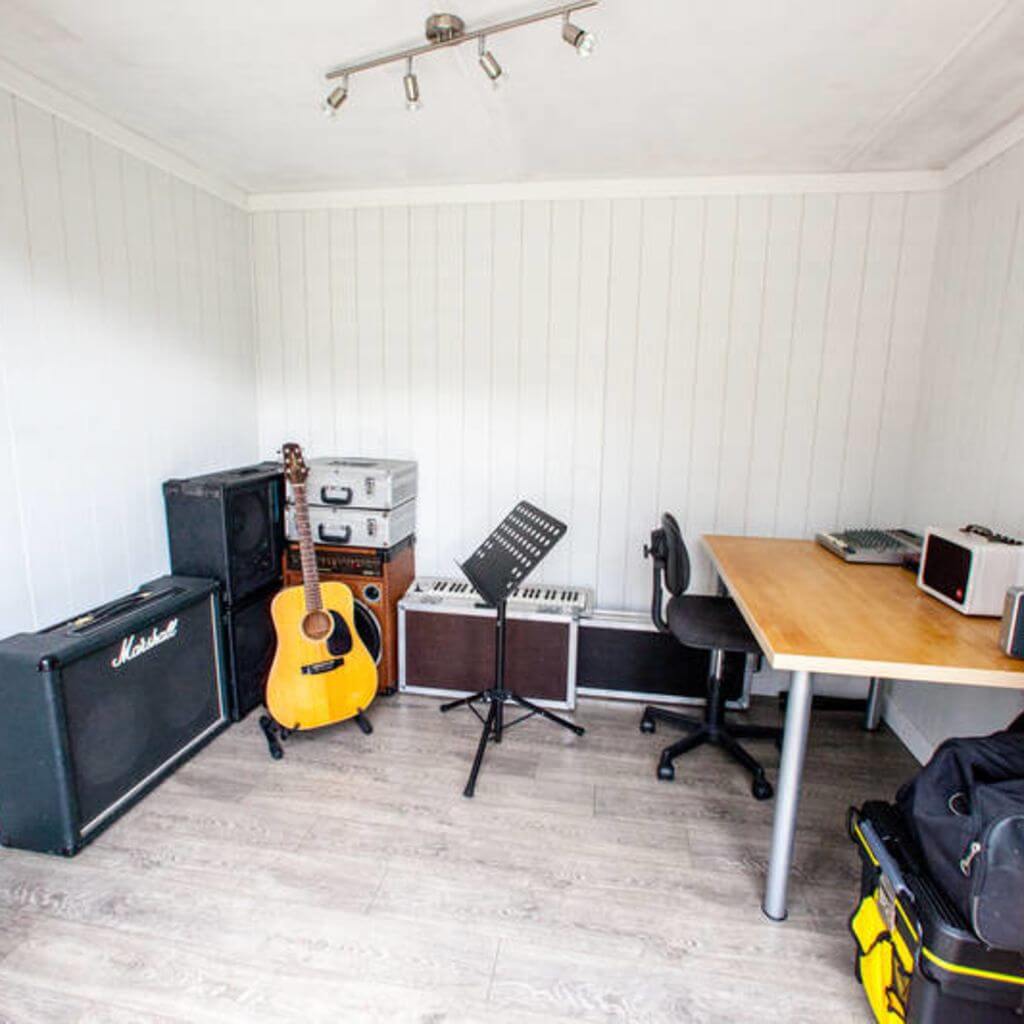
676 87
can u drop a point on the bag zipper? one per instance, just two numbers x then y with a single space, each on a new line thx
968 858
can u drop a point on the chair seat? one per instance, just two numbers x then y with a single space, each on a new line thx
710 623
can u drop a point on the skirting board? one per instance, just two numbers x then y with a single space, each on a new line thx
906 732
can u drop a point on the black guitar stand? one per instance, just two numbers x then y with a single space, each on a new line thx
495 569
276 733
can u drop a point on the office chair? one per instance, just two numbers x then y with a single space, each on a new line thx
709 623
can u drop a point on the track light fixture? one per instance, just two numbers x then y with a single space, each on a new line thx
577 37
489 62
446 30
412 88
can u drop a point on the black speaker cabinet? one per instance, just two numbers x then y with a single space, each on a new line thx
622 655
250 644
99 709
229 526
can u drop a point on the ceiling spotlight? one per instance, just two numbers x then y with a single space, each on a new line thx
489 63
412 88
577 37
336 97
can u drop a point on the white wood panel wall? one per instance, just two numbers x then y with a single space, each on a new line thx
968 465
747 362
126 357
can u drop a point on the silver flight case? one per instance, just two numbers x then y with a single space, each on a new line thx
356 527
361 483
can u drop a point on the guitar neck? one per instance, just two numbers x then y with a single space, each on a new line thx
307 552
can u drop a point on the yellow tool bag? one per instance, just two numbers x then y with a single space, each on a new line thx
916 957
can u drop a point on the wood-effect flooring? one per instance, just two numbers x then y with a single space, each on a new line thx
353 882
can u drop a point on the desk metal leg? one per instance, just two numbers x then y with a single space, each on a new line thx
787 796
873 712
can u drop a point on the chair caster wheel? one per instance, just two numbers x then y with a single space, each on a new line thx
646 725
762 789
666 772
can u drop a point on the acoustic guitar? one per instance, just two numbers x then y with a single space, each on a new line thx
322 672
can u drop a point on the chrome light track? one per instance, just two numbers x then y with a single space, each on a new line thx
447 30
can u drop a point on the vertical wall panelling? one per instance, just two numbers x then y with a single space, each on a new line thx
424 380
316 261
738 401
817 238
588 387
771 407
475 444
126 358
966 464
684 310
344 321
626 269
528 443
648 389
17 596
895 450
506 260
837 367
709 380
722 357
562 362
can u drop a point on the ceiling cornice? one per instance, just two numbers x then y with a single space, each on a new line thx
596 188
76 112
986 151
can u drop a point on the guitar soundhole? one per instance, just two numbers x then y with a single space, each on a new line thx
340 641
317 625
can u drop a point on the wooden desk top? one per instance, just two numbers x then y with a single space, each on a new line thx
812 611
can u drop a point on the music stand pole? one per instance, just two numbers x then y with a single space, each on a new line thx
520 541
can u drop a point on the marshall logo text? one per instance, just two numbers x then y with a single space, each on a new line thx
131 647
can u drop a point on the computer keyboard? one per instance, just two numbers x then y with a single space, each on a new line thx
869 545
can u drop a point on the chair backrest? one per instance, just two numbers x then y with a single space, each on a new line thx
671 561
677 558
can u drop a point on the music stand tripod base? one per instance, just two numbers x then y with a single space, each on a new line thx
495 569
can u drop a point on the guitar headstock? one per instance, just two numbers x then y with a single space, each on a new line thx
295 468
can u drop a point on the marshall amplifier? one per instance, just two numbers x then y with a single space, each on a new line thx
99 709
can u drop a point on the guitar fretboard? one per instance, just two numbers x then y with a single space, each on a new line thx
307 552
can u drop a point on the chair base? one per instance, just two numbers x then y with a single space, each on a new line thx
712 730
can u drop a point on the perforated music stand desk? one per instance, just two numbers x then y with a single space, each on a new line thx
502 562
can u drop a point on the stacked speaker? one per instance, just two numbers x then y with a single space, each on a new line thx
363 517
229 526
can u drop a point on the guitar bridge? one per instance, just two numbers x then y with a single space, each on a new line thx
322 666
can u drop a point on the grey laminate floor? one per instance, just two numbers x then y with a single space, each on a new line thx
352 882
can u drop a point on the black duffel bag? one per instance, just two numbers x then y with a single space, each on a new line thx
965 809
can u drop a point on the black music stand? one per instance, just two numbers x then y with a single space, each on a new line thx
504 560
